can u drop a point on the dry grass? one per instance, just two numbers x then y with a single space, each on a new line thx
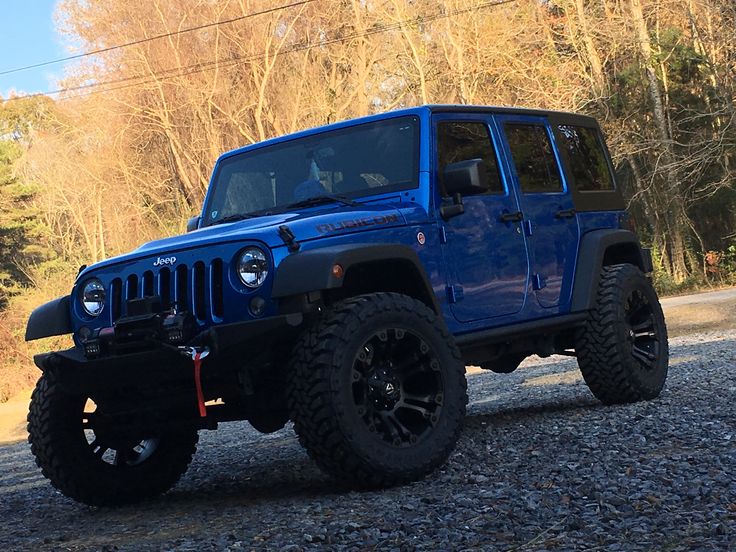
17 371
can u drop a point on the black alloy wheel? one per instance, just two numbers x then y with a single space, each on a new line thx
643 337
397 386
115 448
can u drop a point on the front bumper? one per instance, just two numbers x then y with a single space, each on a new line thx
160 362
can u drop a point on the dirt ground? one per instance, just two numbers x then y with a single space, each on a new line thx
684 315
702 312
13 418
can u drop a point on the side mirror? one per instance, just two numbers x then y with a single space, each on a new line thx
466 177
193 223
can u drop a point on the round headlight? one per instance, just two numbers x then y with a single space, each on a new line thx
252 267
93 297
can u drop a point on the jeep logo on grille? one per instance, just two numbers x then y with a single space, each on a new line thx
165 261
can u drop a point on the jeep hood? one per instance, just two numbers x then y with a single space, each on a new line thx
308 224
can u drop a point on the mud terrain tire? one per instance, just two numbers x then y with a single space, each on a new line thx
82 470
377 390
622 349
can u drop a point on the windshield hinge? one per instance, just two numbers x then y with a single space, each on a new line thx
289 238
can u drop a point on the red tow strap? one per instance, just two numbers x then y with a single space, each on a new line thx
197 359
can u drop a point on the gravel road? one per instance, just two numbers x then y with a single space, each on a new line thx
541 466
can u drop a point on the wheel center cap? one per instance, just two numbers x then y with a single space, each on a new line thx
385 389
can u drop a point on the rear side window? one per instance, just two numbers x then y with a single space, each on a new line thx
463 141
587 158
533 157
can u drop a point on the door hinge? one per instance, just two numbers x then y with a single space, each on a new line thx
538 282
454 293
443 235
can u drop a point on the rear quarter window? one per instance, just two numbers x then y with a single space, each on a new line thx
587 158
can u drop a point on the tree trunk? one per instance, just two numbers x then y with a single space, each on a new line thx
676 220
596 65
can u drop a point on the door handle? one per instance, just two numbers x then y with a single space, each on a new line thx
565 213
512 217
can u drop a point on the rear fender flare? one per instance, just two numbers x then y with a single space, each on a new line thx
599 247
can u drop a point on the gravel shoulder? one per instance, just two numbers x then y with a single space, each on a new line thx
541 465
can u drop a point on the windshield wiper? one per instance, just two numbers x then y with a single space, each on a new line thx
231 218
323 198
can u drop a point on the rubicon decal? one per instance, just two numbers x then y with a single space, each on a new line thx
165 261
356 223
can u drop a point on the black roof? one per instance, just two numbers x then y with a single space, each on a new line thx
456 108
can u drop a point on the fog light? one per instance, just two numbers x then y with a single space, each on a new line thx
84 333
257 306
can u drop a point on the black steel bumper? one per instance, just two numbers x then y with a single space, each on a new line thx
160 361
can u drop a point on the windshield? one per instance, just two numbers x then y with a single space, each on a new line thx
366 159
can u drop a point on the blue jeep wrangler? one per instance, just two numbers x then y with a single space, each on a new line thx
342 278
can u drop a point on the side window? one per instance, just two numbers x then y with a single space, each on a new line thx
463 141
587 158
533 157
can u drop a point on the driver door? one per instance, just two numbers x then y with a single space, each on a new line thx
484 247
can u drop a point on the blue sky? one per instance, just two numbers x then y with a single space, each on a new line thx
28 36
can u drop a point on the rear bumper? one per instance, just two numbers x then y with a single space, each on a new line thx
161 363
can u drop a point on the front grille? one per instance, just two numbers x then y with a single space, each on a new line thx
197 289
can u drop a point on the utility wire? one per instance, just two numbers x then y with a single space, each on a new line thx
100 87
156 37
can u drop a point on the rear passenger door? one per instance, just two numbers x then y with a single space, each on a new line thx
549 219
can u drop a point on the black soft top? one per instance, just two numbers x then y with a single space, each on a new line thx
560 116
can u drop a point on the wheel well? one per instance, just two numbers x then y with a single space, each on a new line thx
395 275
620 253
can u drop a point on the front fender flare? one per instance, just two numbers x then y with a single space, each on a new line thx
52 318
312 270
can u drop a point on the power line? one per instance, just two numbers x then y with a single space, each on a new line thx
97 88
156 37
